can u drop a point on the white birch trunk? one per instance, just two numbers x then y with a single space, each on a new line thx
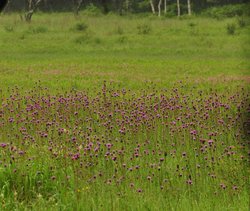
189 7
77 5
152 6
159 8
30 4
33 6
165 6
178 8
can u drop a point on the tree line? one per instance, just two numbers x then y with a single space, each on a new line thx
121 7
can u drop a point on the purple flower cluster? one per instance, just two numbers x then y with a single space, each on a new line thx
118 137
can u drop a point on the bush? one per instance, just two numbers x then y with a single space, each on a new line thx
87 38
231 28
172 10
143 6
191 24
144 29
81 26
92 10
226 11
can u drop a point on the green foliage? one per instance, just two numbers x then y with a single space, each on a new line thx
144 28
87 38
143 6
172 10
81 26
231 28
192 24
92 10
227 11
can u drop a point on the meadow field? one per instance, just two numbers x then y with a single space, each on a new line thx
124 113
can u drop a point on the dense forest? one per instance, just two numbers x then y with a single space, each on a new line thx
120 6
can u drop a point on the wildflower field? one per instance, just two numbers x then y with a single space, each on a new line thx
106 116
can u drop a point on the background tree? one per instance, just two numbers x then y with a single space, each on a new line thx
32 7
152 6
165 6
159 7
189 7
119 6
77 6
178 8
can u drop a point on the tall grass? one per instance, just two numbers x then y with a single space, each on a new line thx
176 149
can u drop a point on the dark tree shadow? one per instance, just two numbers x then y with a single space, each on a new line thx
3 4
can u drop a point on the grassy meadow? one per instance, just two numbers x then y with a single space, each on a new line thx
124 113
52 48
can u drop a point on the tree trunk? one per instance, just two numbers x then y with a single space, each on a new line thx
32 8
178 8
189 7
77 6
165 6
159 8
152 6
127 5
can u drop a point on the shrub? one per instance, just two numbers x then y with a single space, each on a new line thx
92 10
226 11
144 28
172 10
87 38
81 26
231 28
143 6
191 24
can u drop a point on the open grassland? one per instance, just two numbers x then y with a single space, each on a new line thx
65 52
168 130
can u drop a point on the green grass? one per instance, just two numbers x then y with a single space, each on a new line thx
49 49
147 55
